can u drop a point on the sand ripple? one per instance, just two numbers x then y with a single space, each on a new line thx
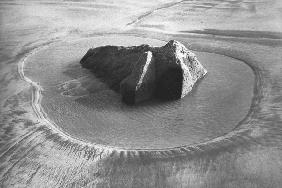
84 107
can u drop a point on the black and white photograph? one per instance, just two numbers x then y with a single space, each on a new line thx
140 93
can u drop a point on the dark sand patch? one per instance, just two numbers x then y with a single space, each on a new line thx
238 33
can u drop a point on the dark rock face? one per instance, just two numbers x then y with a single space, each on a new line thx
141 72
169 84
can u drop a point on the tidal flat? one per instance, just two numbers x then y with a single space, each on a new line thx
60 129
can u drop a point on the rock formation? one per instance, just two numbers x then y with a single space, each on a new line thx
142 72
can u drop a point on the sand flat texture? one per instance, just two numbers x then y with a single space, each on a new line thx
83 106
36 153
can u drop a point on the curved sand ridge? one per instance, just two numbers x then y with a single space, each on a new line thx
67 86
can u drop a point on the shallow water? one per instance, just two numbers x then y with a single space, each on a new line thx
84 107
34 153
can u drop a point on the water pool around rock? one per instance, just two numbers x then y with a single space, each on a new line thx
140 73
86 108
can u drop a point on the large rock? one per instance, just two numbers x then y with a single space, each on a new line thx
141 72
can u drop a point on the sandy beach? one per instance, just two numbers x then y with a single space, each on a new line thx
62 127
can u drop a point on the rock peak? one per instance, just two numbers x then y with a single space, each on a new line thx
173 43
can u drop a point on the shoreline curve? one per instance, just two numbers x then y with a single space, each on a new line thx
184 150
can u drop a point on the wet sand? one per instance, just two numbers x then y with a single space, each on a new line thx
82 106
34 153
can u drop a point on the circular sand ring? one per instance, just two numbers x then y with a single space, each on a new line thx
85 108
